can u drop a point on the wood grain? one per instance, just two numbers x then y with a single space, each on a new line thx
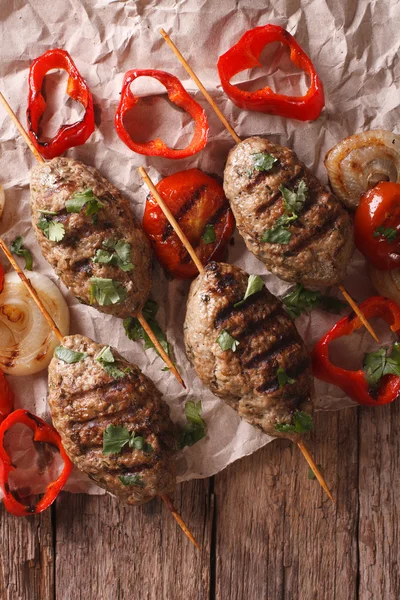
108 551
27 557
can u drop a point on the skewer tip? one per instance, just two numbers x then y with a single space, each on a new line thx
168 502
307 455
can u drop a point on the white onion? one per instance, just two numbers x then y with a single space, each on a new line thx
360 161
386 283
26 342
2 200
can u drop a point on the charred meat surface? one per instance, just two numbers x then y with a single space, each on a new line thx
247 378
321 238
85 399
88 248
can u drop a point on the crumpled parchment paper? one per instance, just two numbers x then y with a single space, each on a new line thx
354 48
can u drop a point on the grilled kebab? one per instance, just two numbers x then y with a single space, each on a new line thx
85 398
265 340
319 243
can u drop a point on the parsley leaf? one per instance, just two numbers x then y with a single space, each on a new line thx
377 364
195 428
53 230
132 480
263 161
302 300
18 249
277 235
107 361
301 423
226 341
254 285
390 234
69 356
293 203
135 331
42 211
115 437
81 199
283 378
106 291
209 236
117 253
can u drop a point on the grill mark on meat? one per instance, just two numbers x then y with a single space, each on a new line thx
297 369
125 470
282 343
269 386
82 266
189 204
306 237
273 199
228 311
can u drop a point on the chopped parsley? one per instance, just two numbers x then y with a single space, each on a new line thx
132 480
226 341
390 234
69 356
115 253
53 230
293 205
42 211
106 291
209 236
301 423
81 199
135 331
302 300
254 285
263 161
107 361
283 378
379 363
195 428
18 249
116 437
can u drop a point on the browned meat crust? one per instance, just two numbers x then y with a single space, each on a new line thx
52 184
321 242
247 378
84 399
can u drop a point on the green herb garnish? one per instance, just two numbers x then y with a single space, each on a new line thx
69 356
115 437
302 300
283 378
195 428
106 291
226 341
18 249
254 285
301 423
53 230
209 236
81 199
135 331
293 204
378 364
42 211
132 480
390 234
311 474
107 361
263 161
117 253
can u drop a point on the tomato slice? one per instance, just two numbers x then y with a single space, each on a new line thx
377 226
198 203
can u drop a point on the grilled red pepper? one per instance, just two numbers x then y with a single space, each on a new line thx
68 136
42 432
179 96
245 55
354 383
377 226
6 397
199 204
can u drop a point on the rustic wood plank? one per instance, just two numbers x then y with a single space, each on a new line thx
379 539
114 552
278 536
27 557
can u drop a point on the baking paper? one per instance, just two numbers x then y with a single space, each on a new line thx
354 47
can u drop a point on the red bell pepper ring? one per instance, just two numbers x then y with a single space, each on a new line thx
42 432
6 397
245 55
68 136
354 383
179 96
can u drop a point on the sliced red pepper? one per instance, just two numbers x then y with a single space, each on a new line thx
68 136
42 432
198 203
179 96
377 226
6 397
354 383
245 55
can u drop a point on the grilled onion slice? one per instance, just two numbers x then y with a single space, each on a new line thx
386 283
359 162
26 341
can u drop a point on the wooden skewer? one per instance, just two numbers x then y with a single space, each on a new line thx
171 219
197 81
31 290
237 139
190 250
179 520
140 317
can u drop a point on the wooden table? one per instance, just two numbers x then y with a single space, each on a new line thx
266 531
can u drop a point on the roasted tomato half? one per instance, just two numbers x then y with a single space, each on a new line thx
198 203
377 226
